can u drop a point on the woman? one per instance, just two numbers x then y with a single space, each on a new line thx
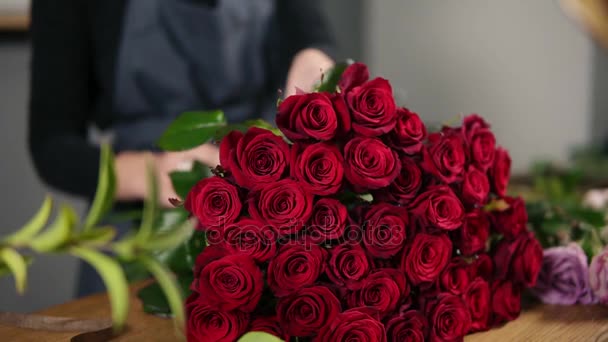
129 67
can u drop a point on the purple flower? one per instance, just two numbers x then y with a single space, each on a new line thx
564 277
598 276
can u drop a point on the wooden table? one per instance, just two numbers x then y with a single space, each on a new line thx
540 323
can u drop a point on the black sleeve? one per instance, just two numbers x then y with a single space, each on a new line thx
60 97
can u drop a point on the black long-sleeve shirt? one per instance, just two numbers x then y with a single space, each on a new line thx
75 50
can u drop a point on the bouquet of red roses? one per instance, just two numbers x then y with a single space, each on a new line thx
355 224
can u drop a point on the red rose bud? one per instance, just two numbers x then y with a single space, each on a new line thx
255 158
405 187
353 76
285 205
384 230
425 258
444 157
449 317
352 325
483 267
369 164
318 167
373 108
348 265
410 326
294 267
474 234
328 220
477 299
317 116
232 282
520 260
207 324
480 141
214 202
382 290
506 302
500 172
409 132
511 221
268 325
455 278
251 237
305 312
475 187
438 207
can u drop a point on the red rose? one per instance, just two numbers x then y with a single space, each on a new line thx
409 132
318 116
483 267
294 267
318 167
384 230
214 202
284 205
232 282
519 260
328 220
425 258
477 299
449 317
305 312
474 234
475 187
455 277
208 255
382 290
506 302
480 141
410 326
353 76
268 325
369 164
348 265
352 325
500 172
251 237
254 158
405 187
438 207
373 107
205 323
444 157
511 221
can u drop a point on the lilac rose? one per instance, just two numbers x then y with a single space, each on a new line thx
564 277
598 276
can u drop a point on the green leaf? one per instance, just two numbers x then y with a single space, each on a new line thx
244 126
181 259
150 212
97 237
169 286
34 226
17 265
114 280
59 233
192 129
106 187
259 336
154 300
171 239
332 77
183 181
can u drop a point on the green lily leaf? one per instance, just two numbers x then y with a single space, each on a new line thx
154 299
259 336
59 233
114 280
34 226
171 239
17 265
192 129
106 186
97 237
332 77
183 181
150 213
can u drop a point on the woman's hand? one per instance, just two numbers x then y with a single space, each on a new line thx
306 69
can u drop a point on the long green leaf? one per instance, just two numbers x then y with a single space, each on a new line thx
150 210
259 336
192 129
34 226
99 236
58 233
170 287
104 197
114 280
332 77
18 267
171 239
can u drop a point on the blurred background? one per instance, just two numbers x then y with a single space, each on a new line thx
528 68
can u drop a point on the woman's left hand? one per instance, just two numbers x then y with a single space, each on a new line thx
306 69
